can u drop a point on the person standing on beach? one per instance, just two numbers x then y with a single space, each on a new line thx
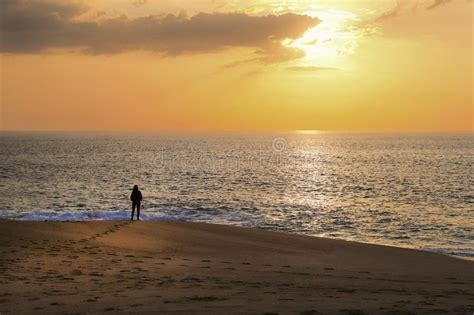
136 198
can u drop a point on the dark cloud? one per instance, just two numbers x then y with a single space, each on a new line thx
278 53
37 26
394 12
401 6
437 3
272 54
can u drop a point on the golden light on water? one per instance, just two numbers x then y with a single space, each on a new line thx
308 132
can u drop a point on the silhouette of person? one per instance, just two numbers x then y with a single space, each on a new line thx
136 198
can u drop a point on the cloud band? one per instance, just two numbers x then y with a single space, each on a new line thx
37 26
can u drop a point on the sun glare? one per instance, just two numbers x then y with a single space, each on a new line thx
308 132
329 41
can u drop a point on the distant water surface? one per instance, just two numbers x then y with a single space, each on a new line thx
403 190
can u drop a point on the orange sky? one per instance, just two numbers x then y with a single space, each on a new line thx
189 65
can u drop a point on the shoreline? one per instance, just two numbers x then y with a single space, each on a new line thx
462 255
157 266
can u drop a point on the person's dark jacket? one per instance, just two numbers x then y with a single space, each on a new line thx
136 196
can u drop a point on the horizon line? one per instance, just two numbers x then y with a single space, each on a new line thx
243 132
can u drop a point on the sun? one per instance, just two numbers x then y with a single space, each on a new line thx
329 41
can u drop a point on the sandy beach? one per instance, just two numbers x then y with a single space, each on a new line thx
150 267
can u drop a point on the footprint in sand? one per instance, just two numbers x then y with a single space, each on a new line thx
351 312
204 298
344 290
96 274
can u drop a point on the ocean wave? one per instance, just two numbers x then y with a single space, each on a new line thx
121 215
450 251
96 216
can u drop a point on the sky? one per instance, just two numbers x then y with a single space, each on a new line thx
239 65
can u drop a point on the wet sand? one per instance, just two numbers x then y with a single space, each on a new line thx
150 267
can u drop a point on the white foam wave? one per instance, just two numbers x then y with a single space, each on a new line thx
449 251
96 216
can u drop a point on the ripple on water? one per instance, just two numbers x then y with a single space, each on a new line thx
405 190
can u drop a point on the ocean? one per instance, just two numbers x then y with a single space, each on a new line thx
406 190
